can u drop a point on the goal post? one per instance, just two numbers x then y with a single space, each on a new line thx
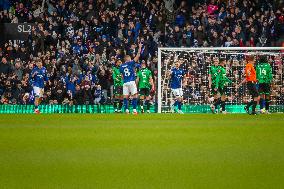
198 61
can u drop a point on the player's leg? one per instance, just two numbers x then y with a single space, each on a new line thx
120 98
216 101
126 97
133 91
262 103
175 103
262 97
256 98
148 97
223 98
37 99
180 100
115 104
115 99
141 99
250 89
223 103
120 103
267 97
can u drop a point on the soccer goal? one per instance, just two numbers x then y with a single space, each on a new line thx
197 61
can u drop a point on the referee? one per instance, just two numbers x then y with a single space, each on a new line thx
250 79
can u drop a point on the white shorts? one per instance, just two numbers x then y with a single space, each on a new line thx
129 88
177 92
38 91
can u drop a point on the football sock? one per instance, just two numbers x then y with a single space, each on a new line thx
36 107
223 104
179 105
250 103
254 106
125 102
176 103
217 102
141 102
148 104
267 102
120 104
261 103
115 103
134 103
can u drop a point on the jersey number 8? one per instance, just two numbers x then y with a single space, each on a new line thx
126 72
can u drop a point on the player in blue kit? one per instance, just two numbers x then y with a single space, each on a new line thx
128 71
177 78
39 77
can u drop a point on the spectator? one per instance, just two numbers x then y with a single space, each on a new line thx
5 67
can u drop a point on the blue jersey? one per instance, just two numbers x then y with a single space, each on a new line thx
39 77
176 78
127 70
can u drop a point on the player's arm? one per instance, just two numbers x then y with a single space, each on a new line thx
210 78
247 73
270 73
114 75
242 82
152 83
137 78
136 58
184 79
228 80
169 74
45 76
258 72
33 74
121 72
210 81
218 78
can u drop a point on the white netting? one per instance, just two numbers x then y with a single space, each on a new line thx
197 62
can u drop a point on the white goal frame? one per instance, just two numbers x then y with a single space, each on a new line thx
160 49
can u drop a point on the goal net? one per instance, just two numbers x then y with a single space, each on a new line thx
197 61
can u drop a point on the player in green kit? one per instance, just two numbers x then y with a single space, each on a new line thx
213 83
264 78
222 81
145 85
117 87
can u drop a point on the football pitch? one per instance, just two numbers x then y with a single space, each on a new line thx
145 151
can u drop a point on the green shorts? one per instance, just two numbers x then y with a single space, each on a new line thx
144 91
264 88
220 90
118 90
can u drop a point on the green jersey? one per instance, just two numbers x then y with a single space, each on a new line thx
222 79
264 73
117 77
214 72
144 76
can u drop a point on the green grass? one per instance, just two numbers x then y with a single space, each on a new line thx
144 151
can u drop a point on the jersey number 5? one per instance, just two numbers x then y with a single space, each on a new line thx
144 75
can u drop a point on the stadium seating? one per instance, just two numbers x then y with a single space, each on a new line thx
76 39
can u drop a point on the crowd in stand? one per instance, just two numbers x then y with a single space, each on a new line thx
79 41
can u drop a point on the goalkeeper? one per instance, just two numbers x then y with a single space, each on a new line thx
264 77
213 83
